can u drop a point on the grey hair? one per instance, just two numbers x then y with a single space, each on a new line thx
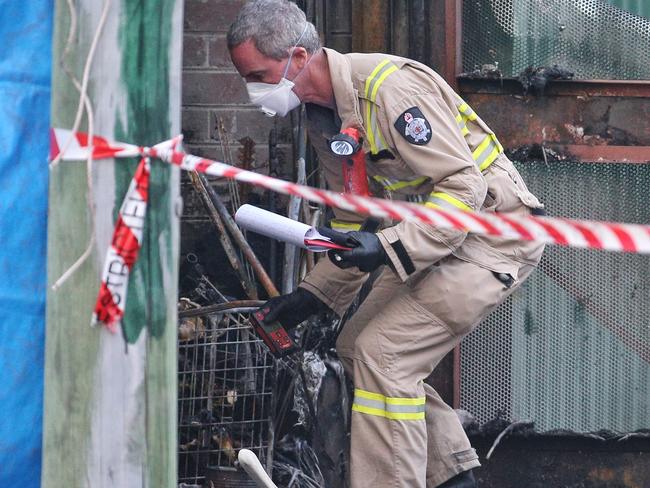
275 26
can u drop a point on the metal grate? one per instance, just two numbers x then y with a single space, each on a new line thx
225 384
571 348
591 38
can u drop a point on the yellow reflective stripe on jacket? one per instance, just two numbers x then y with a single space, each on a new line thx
380 80
466 111
445 200
379 74
373 75
392 408
382 142
343 226
462 125
377 77
375 137
487 151
369 129
393 185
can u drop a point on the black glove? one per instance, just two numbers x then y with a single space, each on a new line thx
367 253
293 308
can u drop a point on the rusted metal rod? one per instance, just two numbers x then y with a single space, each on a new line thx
202 187
220 307
241 241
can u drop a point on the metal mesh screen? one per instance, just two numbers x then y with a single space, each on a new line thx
571 348
225 379
591 38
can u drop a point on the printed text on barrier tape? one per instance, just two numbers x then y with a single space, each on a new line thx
124 249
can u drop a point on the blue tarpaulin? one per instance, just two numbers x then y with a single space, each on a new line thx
25 67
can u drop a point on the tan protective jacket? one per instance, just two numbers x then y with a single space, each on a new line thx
422 143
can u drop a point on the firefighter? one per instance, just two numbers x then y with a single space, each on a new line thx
422 143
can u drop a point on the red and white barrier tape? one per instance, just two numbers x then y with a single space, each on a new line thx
634 238
124 249
565 232
127 236
77 148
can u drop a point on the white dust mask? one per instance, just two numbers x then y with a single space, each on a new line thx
273 98
277 98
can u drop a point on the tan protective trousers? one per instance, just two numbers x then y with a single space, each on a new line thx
403 434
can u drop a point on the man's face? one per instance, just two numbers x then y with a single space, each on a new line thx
253 66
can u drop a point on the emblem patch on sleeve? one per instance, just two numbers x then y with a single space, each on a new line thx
414 127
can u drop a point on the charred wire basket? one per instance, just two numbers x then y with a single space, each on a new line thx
225 394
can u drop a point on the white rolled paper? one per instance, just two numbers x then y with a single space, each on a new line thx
277 227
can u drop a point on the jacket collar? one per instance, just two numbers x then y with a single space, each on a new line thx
345 95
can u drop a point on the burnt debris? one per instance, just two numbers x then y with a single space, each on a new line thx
534 80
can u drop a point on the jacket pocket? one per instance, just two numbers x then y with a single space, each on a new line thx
507 191
480 251
460 293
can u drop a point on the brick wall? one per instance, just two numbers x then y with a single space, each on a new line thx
212 88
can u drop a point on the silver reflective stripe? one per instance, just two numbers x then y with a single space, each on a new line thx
404 408
446 200
377 77
487 153
466 110
392 185
439 202
373 82
462 125
366 402
377 136
388 407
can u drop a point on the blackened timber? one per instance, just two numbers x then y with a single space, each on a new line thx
202 186
240 240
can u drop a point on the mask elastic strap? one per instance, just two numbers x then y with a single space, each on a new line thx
286 69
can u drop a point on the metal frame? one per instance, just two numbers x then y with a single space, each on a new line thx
586 121
630 99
